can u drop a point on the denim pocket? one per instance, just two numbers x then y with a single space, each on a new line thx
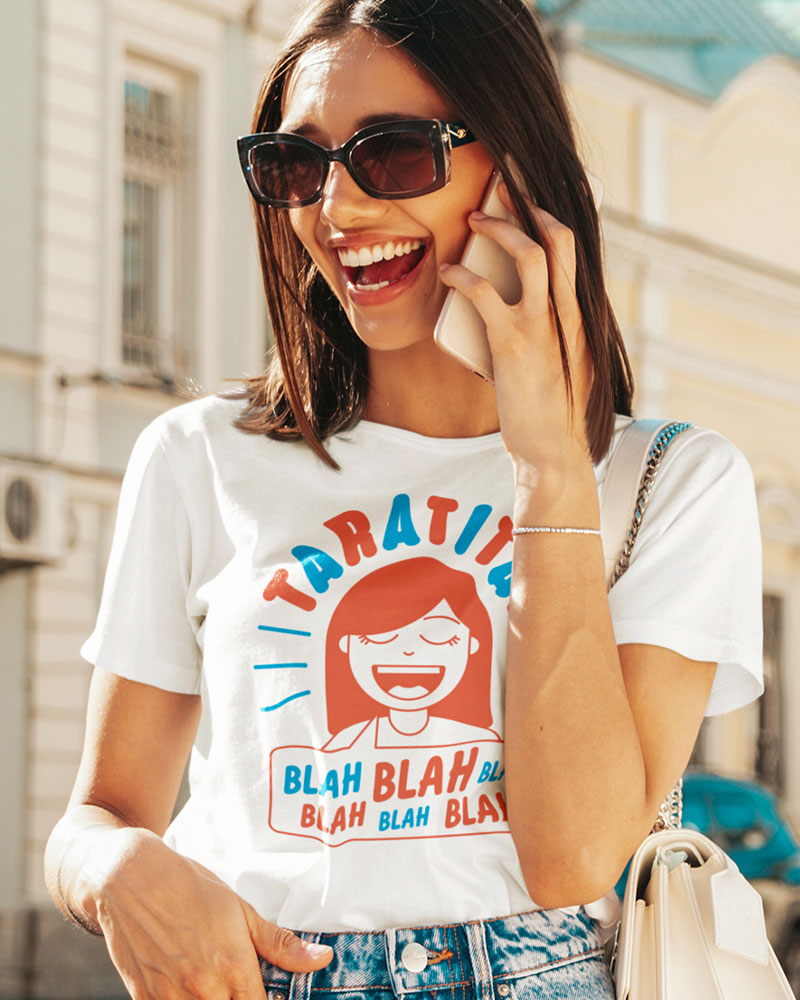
579 978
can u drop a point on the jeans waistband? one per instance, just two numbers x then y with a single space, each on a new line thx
482 954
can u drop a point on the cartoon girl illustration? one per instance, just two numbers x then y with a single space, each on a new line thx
408 659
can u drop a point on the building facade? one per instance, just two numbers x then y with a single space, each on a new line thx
129 276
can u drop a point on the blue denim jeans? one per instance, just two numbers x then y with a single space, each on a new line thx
541 954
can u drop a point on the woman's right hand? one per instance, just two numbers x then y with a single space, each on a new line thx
173 929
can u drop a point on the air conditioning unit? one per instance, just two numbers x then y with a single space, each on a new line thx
33 518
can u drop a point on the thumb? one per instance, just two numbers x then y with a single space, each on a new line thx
283 948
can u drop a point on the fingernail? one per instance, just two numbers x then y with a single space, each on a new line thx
317 950
478 215
443 267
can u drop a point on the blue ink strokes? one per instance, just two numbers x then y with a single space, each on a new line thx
277 666
278 704
287 631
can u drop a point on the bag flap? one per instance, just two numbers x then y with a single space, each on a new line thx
738 916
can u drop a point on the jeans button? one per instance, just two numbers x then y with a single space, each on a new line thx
414 956
503 990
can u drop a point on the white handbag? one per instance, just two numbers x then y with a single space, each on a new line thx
692 927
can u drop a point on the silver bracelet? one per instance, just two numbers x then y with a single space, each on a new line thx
555 531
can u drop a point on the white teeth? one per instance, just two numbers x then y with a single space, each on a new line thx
373 288
369 255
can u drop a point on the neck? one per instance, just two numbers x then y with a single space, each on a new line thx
408 723
422 389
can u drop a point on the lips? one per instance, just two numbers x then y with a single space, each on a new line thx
378 269
385 272
407 682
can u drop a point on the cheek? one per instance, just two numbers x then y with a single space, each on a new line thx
303 225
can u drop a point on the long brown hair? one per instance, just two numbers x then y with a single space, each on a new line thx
489 59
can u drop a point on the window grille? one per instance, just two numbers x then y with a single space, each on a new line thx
154 156
769 750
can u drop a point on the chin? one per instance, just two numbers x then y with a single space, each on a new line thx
388 337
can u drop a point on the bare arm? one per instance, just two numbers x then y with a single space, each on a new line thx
595 735
172 928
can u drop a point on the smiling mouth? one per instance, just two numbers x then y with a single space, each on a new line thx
408 683
382 273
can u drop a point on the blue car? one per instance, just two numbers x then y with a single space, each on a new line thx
743 817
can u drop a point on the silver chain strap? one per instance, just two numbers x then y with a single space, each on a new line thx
657 451
671 812
670 815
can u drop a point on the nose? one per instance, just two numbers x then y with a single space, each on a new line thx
343 202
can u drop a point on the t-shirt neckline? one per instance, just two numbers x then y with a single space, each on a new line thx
366 430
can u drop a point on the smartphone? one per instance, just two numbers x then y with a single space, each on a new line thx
460 330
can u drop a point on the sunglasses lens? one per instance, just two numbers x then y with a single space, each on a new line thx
285 172
395 162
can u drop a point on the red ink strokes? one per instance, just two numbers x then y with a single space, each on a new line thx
408 683
279 586
441 507
496 544
353 530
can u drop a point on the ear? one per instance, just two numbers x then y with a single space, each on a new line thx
344 644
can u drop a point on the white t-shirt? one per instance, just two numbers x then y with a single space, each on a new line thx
347 633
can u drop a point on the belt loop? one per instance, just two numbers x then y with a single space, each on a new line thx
300 983
479 956
390 948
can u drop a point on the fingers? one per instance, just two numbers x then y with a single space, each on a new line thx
283 948
541 266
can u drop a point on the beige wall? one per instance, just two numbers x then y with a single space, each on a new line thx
71 328
701 220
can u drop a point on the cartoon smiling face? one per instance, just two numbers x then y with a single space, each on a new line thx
413 666
407 636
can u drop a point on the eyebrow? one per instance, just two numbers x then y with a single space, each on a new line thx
309 129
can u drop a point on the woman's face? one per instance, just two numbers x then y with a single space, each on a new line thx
414 666
337 88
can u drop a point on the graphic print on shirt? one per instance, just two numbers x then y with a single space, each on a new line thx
408 676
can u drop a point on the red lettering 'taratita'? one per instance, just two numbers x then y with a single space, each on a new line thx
352 528
279 586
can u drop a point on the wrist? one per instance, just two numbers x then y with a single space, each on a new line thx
93 877
83 913
557 492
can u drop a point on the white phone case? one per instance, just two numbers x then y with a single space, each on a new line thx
460 330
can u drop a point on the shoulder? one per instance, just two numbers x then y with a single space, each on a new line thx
185 440
199 419
702 464
704 453
347 737
702 479
443 731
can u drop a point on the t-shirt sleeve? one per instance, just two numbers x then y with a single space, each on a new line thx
694 580
144 631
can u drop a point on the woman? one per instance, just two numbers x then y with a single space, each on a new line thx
364 445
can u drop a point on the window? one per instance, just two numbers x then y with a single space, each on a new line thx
154 247
769 749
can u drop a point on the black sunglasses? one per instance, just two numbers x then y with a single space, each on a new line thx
394 159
